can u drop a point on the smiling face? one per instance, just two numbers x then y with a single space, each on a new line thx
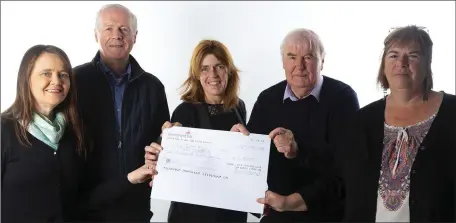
302 64
114 34
49 82
213 76
403 66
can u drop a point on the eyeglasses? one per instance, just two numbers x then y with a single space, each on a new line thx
219 68
419 27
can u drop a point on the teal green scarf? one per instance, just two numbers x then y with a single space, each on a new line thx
49 132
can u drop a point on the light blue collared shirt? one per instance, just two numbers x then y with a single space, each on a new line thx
315 91
118 87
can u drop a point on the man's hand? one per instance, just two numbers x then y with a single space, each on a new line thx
274 200
142 174
153 150
151 157
240 128
284 141
292 202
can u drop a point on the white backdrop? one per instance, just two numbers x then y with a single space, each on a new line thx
352 33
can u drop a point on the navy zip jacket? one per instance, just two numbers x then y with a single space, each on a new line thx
108 195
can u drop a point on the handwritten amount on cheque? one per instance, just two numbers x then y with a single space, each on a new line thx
240 169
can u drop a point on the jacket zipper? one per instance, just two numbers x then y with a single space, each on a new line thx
122 156
120 136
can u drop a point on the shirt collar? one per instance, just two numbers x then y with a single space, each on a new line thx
106 70
315 91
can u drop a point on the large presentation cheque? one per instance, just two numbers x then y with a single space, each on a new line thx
212 168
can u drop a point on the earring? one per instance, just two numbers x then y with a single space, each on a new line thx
384 93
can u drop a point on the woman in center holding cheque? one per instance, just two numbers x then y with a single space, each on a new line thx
210 101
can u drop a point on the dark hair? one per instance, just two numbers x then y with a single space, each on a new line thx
404 35
193 92
24 104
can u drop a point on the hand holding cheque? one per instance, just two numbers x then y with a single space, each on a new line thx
212 168
285 143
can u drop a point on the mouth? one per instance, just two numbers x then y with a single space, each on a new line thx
116 46
54 91
213 83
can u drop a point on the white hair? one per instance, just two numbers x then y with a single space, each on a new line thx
314 40
133 20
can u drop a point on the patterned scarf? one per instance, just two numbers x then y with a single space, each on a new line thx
49 132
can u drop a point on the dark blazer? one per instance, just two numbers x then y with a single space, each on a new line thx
39 184
433 174
108 195
318 128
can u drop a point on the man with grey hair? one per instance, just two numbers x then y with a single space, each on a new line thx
122 108
305 117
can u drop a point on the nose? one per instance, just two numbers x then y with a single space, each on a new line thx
300 64
117 34
403 61
55 80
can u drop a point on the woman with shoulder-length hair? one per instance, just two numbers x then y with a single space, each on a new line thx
42 142
210 101
402 156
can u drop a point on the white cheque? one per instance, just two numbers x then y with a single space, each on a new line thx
212 168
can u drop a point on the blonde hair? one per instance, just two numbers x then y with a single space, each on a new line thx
193 92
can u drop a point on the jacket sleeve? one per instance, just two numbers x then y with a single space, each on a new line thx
243 110
103 193
162 114
328 190
257 123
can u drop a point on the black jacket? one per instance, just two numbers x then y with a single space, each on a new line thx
38 183
318 128
433 174
197 116
108 194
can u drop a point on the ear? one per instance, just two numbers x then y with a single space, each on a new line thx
95 35
134 37
322 63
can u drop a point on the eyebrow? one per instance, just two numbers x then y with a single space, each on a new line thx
411 52
214 64
50 70
291 55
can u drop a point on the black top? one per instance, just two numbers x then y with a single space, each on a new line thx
432 196
109 196
38 184
187 114
317 127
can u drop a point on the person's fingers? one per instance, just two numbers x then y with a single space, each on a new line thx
166 125
240 128
261 201
151 162
154 149
283 149
276 132
156 146
234 128
151 157
177 124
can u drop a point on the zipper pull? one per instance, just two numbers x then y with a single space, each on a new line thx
119 145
